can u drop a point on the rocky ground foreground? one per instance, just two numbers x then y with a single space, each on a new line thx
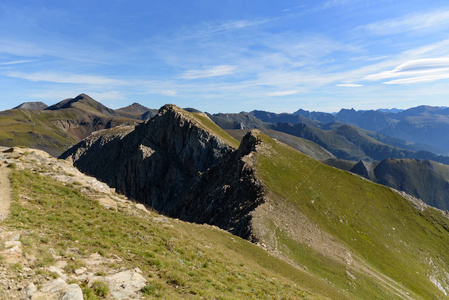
21 279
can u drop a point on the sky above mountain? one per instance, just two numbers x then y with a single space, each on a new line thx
227 56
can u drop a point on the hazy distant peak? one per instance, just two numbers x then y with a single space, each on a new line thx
133 108
32 106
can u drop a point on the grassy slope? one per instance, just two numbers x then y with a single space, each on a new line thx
35 129
179 260
16 126
374 222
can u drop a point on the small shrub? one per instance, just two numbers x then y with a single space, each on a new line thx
89 294
72 266
148 290
100 288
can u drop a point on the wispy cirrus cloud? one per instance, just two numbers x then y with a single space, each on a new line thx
418 79
168 93
436 20
282 93
15 62
211 29
415 71
212 72
65 78
349 85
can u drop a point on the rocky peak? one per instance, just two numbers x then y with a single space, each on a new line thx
178 166
157 162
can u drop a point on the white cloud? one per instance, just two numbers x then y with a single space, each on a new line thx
282 93
433 20
168 93
418 79
213 72
350 85
65 78
414 71
15 62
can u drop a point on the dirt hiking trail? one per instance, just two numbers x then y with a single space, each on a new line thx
5 192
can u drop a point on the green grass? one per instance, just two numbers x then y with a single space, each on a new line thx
34 129
38 129
374 222
186 260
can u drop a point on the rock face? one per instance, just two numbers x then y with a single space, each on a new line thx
177 166
227 194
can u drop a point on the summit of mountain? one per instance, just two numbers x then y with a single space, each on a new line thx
85 103
136 111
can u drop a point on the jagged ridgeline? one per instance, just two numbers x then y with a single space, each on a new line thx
365 239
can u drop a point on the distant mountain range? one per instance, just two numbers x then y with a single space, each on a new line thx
329 138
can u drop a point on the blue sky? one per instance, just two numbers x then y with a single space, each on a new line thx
227 56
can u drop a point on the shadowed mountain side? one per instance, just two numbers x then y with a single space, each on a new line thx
227 194
163 160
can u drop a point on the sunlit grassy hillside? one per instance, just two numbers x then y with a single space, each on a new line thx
364 237
177 258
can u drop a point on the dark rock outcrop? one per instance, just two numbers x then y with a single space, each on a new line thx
227 194
176 166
